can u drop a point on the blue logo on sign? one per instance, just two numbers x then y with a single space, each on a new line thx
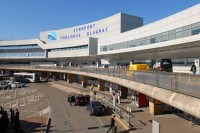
52 36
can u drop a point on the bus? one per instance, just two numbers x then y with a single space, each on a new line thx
26 77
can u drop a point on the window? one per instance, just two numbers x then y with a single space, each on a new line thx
104 48
164 36
125 45
178 33
171 34
158 38
186 31
143 41
153 39
148 40
137 42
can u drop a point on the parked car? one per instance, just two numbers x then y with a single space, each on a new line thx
8 83
80 99
163 65
95 108
17 85
3 85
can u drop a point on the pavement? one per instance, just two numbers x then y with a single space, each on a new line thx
33 116
141 120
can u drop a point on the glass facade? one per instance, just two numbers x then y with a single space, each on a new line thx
70 48
181 32
21 51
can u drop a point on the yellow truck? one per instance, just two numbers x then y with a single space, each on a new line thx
136 67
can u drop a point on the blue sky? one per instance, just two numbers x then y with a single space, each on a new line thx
24 19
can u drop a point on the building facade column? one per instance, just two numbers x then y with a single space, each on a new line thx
84 81
69 78
101 85
155 106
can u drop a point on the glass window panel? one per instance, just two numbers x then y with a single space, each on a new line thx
158 37
130 44
104 48
133 43
125 45
137 43
164 33
196 25
119 46
143 41
114 46
148 40
196 31
171 36
179 29
188 27
178 35
186 33
164 38
171 31
153 40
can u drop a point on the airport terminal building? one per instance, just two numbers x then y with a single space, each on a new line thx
115 41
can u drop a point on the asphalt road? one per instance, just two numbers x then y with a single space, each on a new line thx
71 119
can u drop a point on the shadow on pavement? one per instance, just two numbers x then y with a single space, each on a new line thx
34 124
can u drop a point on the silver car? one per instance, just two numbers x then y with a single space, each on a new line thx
17 85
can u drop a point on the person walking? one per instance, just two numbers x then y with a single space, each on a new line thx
12 115
118 97
112 123
73 100
70 100
193 68
17 125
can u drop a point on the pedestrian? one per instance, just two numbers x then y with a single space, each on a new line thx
73 99
94 95
193 68
112 123
118 97
70 100
92 87
12 115
17 125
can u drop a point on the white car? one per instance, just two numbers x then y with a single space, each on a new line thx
17 85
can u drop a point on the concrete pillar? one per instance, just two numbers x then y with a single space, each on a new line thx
84 81
101 85
124 92
69 78
155 106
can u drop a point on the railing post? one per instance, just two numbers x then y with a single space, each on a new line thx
129 123
175 87
119 73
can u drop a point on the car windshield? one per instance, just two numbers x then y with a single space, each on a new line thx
166 63
96 104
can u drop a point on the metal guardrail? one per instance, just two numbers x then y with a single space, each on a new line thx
120 112
178 82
